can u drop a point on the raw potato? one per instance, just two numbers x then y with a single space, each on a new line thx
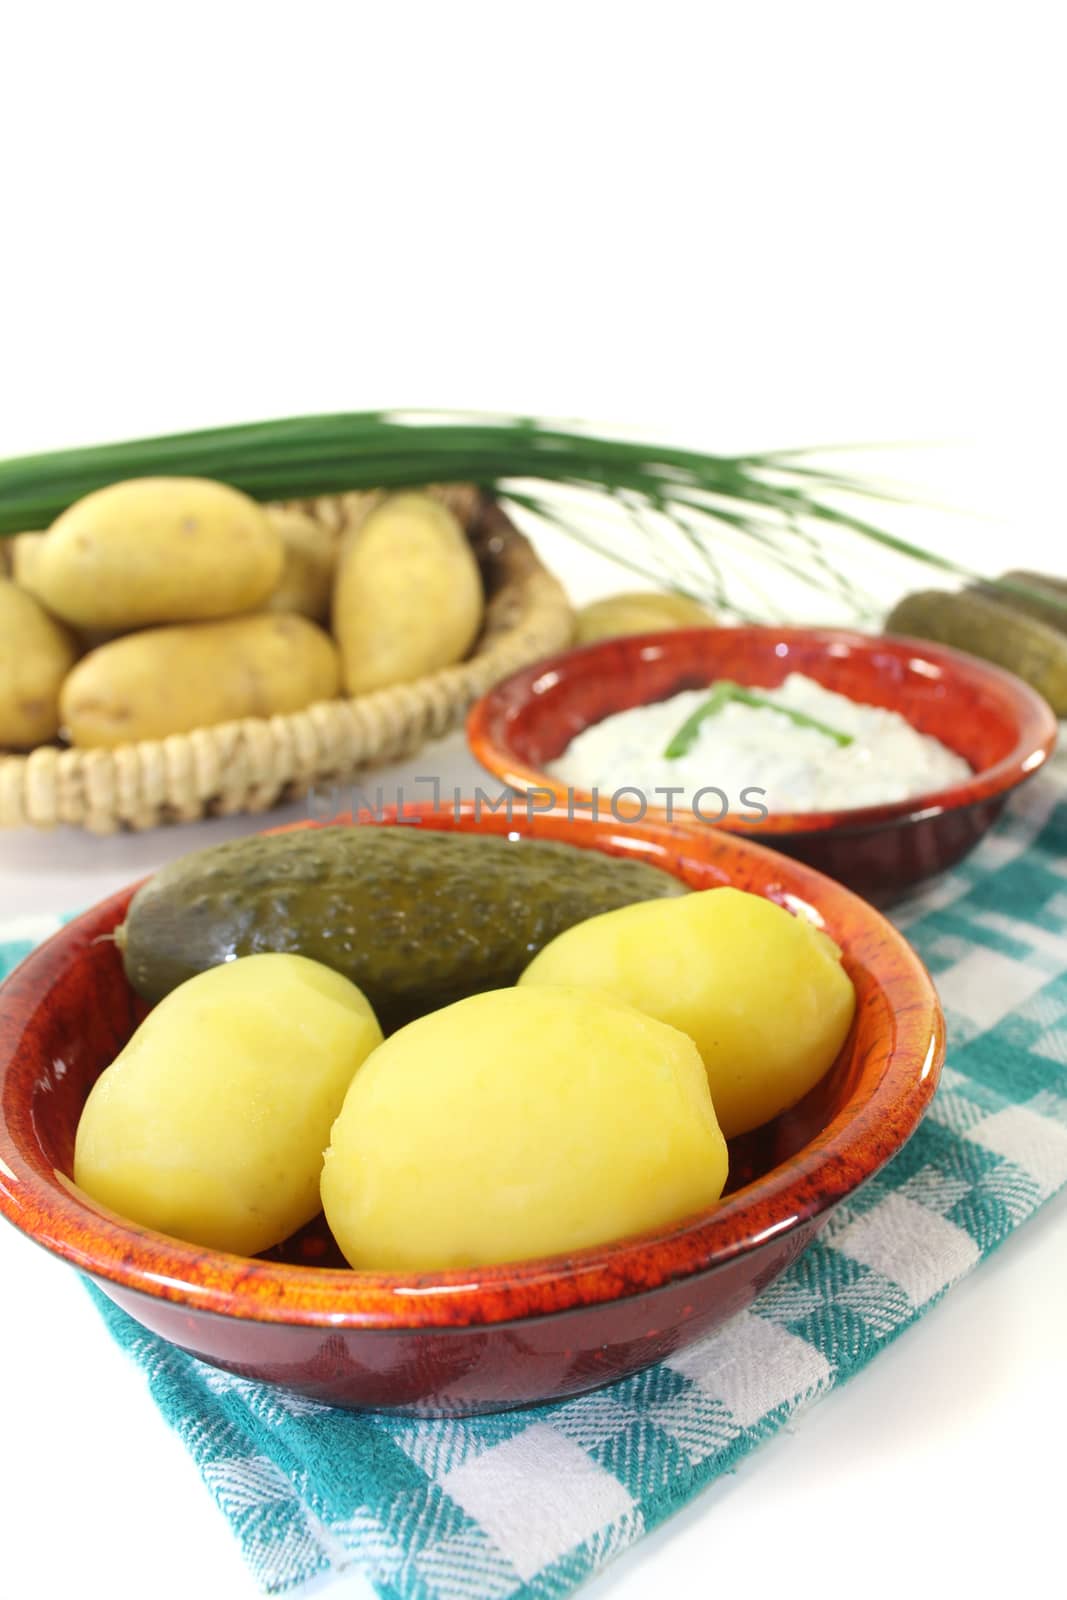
763 993
22 551
171 680
93 638
156 550
639 613
523 1122
306 582
36 653
211 1123
408 598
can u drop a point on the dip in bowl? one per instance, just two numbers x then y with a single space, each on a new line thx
993 732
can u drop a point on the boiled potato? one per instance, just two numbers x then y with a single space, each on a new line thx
522 1122
170 680
211 1123
638 613
156 550
306 583
36 653
763 993
408 597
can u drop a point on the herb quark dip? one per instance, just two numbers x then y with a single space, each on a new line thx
806 747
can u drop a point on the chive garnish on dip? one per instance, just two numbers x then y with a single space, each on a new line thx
722 694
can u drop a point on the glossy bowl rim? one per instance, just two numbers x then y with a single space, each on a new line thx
1037 730
854 1145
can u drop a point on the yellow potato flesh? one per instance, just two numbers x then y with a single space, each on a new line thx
519 1123
761 992
211 1123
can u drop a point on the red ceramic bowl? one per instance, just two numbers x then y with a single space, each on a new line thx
465 1341
999 725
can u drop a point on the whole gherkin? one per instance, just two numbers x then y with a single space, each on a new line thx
417 918
992 629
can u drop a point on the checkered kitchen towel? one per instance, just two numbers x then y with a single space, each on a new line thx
529 1504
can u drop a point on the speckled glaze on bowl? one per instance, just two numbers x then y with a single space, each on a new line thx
988 716
477 1340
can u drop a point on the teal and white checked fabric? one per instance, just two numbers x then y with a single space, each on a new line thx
528 1504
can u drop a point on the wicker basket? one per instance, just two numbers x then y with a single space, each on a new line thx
256 763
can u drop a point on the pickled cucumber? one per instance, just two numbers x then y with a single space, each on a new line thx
993 630
417 919
1047 600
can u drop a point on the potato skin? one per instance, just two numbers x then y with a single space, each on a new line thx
519 1123
640 612
36 653
211 1123
171 680
22 556
306 583
762 993
155 550
408 598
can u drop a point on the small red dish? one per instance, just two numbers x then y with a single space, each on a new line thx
457 1342
991 718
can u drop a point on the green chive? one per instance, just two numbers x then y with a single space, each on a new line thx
685 737
721 696
714 522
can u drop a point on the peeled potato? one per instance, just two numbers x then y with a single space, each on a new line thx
762 993
642 612
211 1123
519 1123
306 583
408 597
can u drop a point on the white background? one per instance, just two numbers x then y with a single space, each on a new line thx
732 226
